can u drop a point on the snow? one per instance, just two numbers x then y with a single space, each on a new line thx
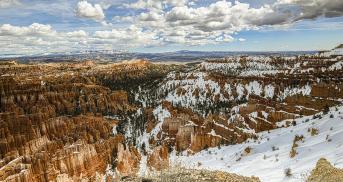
240 90
192 82
253 114
220 66
259 73
213 133
269 91
228 88
265 114
254 66
336 66
114 130
305 90
220 125
161 113
269 164
143 167
197 89
191 123
254 88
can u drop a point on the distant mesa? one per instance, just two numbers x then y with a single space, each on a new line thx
138 62
9 63
87 63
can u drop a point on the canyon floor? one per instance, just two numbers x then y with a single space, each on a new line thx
270 117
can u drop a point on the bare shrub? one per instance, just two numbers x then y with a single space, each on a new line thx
314 131
296 139
247 150
288 172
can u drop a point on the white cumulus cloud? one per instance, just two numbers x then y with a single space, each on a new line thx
87 10
33 29
8 3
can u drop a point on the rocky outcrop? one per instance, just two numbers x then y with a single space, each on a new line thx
52 123
159 158
179 175
324 171
128 159
42 150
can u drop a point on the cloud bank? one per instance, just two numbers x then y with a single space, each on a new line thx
8 3
163 22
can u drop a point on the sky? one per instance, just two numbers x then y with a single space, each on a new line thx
48 26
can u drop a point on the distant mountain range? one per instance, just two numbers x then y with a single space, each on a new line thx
114 56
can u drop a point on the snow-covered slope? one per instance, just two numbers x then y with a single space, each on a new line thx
270 154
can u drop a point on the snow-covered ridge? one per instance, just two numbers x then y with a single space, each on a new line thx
198 89
336 66
270 154
190 92
254 66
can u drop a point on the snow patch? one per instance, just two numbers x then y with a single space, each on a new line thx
269 164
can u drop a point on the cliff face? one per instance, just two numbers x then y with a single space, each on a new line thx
62 145
62 121
70 121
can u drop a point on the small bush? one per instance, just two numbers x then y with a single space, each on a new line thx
294 123
247 150
314 131
293 151
206 147
288 172
328 138
326 109
147 180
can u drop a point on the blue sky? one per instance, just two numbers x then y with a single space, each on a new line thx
42 26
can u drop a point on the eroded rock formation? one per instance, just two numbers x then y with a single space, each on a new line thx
82 120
